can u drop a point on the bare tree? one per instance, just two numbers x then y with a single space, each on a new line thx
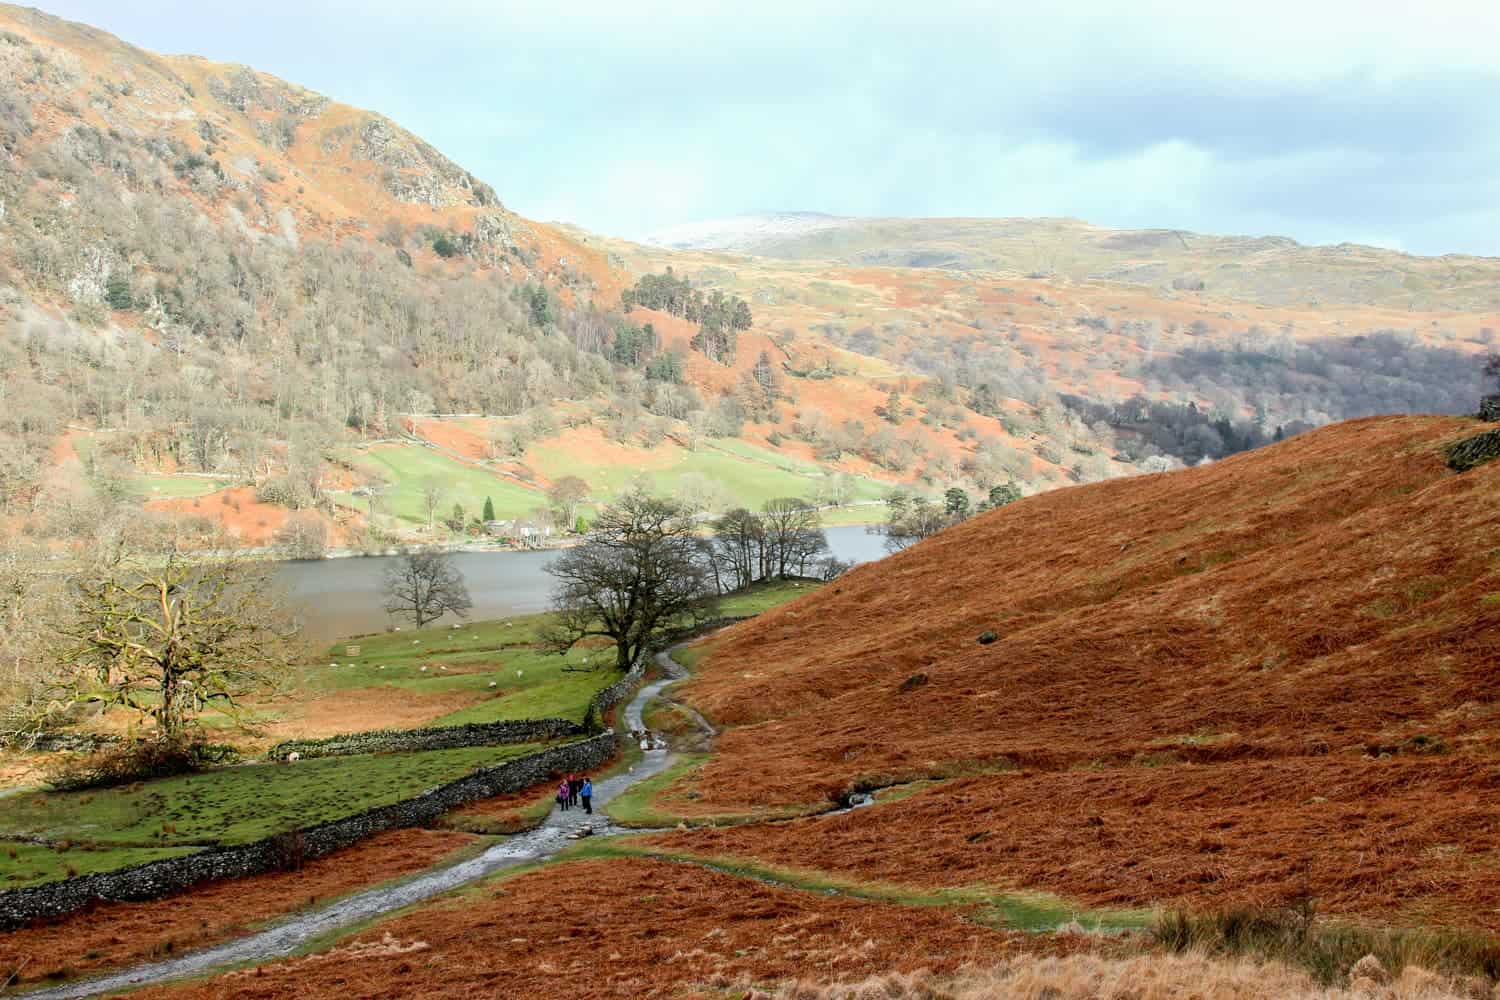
171 641
424 586
30 599
304 536
738 541
566 494
837 489
793 536
638 575
432 499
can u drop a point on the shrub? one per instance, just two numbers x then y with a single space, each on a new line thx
277 490
141 760
1293 935
117 293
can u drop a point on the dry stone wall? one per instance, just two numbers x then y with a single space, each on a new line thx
156 879
479 734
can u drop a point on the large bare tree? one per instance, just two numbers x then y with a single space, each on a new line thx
424 586
172 641
566 494
639 574
793 536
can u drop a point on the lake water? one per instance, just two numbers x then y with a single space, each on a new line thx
339 597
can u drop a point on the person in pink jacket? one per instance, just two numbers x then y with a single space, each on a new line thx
562 796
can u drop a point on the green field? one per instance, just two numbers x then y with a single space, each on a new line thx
104 829
22 865
164 487
234 805
409 467
876 513
764 596
766 456
529 681
747 475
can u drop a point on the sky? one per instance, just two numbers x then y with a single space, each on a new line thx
1367 122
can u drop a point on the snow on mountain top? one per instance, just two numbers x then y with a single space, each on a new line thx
742 232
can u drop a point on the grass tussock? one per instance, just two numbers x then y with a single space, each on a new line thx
1327 950
1143 977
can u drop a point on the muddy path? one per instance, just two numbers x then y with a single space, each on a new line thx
286 937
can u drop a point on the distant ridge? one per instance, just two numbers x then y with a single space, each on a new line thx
1268 270
745 232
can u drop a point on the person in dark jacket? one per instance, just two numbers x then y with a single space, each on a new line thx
575 785
586 793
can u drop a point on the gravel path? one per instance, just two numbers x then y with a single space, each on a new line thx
286 937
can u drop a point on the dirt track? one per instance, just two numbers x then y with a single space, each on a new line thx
112 935
284 937
618 928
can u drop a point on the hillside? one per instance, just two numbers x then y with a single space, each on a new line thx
268 319
1263 270
1264 679
225 296
1234 734
1091 376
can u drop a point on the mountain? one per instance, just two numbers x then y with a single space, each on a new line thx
1267 679
748 233
270 319
239 302
1266 270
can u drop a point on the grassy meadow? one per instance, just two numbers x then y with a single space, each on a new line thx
501 664
409 467
127 824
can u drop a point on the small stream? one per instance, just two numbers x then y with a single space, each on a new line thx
286 937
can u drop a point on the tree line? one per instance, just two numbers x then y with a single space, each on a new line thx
720 317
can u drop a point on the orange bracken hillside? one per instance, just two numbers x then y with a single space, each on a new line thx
1272 676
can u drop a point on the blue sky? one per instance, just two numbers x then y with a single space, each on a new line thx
1372 121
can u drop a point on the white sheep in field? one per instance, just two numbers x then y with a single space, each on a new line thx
294 755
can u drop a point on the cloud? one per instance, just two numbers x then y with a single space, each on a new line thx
1326 121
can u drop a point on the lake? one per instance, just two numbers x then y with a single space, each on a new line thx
339 597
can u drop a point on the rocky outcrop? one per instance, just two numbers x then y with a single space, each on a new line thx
415 172
1474 451
1489 408
245 90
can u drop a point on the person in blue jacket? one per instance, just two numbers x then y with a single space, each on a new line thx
586 793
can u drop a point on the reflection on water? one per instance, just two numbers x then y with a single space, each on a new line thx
339 597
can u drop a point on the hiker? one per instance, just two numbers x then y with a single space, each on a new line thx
575 785
562 796
586 792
